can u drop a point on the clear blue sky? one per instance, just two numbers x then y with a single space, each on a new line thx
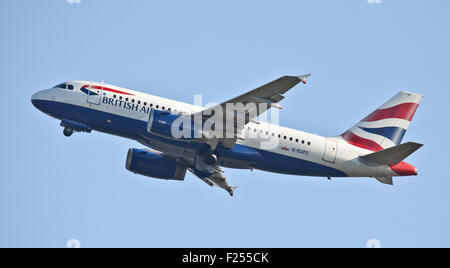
54 188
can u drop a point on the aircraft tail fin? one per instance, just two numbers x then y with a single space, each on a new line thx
386 126
394 155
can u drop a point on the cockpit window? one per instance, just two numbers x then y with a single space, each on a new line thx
63 86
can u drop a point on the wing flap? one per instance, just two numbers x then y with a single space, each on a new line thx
215 179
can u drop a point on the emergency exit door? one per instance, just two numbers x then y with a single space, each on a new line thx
331 147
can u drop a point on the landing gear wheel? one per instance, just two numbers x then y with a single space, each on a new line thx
68 131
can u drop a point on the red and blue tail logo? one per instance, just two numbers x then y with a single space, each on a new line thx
387 125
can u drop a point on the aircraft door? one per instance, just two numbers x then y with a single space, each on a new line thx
330 151
95 94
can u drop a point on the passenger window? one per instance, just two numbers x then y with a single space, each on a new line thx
145 104
126 99
157 106
139 102
114 96
290 138
296 140
309 143
132 100
303 142
284 137
120 98
151 104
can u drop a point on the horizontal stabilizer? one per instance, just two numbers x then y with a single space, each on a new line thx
386 180
393 155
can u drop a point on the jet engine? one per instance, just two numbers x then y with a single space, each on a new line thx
155 165
166 124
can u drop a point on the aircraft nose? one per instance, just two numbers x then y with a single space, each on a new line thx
37 99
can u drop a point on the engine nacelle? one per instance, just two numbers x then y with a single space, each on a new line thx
155 165
163 123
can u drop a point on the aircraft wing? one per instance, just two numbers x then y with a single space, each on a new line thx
260 100
271 93
216 179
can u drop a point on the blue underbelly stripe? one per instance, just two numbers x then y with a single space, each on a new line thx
283 164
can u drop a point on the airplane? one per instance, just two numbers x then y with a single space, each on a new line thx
371 148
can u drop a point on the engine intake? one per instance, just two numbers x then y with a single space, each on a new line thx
154 165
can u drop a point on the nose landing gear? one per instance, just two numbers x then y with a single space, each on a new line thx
68 131
71 126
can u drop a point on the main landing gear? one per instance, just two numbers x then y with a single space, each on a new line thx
211 160
68 131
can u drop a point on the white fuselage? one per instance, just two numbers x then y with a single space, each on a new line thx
116 102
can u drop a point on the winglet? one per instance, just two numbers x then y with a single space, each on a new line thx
231 190
304 77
